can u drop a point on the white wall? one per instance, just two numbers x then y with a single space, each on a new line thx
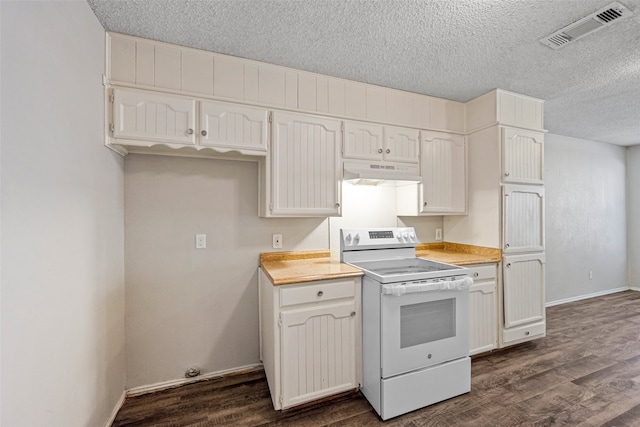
188 306
633 202
586 217
62 222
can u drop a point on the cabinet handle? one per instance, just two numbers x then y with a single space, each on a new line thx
425 203
388 151
476 274
509 265
380 150
189 131
526 333
353 313
506 174
506 246
203 133
337 205
320 293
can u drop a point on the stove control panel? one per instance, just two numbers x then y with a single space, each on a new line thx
377 238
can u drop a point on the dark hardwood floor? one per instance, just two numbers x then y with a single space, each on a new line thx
585 372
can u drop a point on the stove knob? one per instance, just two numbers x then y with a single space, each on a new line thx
348 238
412 236
399 236
356 239
406 236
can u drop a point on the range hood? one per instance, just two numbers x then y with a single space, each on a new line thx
377 173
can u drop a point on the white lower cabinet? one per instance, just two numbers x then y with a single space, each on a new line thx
310 338
523 296
483 316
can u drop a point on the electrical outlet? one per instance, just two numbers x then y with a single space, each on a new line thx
201 241
438 234
277 241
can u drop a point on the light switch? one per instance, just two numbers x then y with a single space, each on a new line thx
201 241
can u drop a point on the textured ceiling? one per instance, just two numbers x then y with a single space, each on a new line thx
455 49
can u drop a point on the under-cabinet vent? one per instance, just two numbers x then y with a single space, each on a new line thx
594 22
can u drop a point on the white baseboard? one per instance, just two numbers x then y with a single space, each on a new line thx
116 409
633 288
137 391
595 294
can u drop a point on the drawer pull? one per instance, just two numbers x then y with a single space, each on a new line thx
526 333
353 313
476 274
320 293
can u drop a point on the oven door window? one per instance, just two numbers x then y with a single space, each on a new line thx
423 329
427 322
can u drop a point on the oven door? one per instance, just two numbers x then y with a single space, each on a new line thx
422 329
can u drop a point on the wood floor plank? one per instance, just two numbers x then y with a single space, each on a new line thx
586 372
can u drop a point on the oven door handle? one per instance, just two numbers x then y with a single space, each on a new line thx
399 289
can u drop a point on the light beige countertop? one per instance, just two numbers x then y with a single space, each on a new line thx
458 254
285 268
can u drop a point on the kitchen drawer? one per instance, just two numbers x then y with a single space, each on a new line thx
317 292
482 272
524 333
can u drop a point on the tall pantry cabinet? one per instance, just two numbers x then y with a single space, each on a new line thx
506 205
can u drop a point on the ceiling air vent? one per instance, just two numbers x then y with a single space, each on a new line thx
597 20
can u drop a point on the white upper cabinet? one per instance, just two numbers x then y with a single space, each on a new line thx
363 141
505 108
522 156
143 118
233 127
443 173
443 190
523 223
369 141
302 174
401 144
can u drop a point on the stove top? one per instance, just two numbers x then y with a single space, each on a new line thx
388 255
408 269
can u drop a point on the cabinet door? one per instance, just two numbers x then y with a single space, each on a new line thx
362 141
523 218
229 127
145 118
305 171
443 173
318 348
522 156
401 144
483 313
483 308
523 283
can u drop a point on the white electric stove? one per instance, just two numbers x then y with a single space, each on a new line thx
415 321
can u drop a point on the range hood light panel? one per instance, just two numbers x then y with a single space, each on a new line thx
366 181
